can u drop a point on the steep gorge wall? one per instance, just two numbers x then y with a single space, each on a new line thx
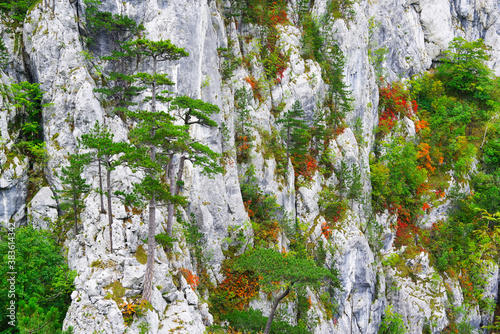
414 33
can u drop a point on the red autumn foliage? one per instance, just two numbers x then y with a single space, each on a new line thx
325 230
191 278
395 100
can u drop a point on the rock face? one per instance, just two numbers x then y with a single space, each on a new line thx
410 35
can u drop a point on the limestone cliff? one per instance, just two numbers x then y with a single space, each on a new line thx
49 50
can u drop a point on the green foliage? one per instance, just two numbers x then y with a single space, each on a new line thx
340 9
463 70
242 132
230 62
13 13
295 131
312 41
74 187
338 100
140 255
392 323
154 130
285 268
120 27
332 205
491 157
27 99
4 55
261 208
487 188
349 185
194 238
252 321
277 271
118 292
144 327
396 177
165 240
43 282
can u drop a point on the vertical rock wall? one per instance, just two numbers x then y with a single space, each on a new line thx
413 33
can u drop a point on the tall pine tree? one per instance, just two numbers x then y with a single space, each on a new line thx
154 130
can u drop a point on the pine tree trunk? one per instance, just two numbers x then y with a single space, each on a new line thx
148 277
174 191
273 309
100 186
75 207
110 211
287 147
171 207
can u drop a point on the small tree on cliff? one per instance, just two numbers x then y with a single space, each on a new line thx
105 152
189 111
74 186
296 131
289 271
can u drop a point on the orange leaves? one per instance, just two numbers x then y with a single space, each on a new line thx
242 143
278 14
238 289
256 87
248 209
325 230
466 284
421 125
425 206
191 278
251 81
129 310
424 156
440 193
304 165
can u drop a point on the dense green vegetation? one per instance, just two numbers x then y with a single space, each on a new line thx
455 109
43 282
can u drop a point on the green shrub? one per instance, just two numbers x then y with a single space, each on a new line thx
396 178
392 323
261 208
165 240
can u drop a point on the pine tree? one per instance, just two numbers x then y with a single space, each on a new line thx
190 111
74 186
105 152
296 131
154 130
